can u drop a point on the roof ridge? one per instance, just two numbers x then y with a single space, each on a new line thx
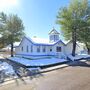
55 31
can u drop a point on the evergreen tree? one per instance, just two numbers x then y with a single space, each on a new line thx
75 20
12 29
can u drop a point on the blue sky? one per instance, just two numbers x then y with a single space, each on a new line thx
39 16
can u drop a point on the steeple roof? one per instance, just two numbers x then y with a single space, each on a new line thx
53 31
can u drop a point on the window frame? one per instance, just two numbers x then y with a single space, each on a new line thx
58 49
38 49
44 49
27 49
31 48
22 48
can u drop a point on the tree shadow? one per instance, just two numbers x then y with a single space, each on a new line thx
79 63
20 78
31 74
34 74
17 83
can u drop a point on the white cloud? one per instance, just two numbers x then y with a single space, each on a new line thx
7 4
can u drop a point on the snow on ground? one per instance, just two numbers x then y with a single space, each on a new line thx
39 62
35 54
79 56
8 69
37 57
6 72
33 57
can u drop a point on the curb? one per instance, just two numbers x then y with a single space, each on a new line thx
53 68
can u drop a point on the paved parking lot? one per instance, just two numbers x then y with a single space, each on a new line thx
74 77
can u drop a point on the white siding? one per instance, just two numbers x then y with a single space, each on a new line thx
62 48
25 42
69 47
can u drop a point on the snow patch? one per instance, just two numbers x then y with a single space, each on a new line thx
79 56
39 62
7 68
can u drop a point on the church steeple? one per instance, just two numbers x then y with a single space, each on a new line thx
53 35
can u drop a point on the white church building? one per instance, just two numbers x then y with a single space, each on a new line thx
53 46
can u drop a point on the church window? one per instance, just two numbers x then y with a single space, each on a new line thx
58 49
38 48
22 48
44 49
